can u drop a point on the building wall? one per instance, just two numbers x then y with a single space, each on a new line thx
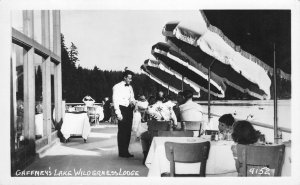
35 60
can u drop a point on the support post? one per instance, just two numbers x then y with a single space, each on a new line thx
29 79
276 138
209 76
46 66
57 72
182 83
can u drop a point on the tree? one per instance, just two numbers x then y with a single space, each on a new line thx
73 53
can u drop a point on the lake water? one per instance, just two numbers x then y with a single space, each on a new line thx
261 111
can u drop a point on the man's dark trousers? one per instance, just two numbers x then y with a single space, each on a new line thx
124 129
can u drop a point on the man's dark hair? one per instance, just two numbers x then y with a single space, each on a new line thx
127 72
187 94
151 100
228 119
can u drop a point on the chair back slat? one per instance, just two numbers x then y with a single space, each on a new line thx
92 114
187 153
89 108
191 125
155 126
252 157
175 133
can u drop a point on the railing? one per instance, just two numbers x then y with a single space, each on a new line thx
74 104
282 129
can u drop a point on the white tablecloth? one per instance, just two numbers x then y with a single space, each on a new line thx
287 161
220 160
39 124
76 124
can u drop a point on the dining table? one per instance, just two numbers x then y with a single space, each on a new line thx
76 124
220 160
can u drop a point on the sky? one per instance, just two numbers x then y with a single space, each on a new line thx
115 39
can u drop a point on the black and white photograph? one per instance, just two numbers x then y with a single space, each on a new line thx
116 93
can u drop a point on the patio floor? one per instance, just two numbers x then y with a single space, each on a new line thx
97 157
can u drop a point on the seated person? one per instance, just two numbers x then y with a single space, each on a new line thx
139 114
190 111
160 112
243 133
225 124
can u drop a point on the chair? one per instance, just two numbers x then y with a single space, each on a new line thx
191 125
211 132
155 126
187 153
175 133
92 114
260 160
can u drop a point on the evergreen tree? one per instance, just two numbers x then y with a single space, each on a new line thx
73 53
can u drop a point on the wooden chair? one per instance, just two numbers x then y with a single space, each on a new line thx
175 133
260 160
187 153
155 126
192 126
92 114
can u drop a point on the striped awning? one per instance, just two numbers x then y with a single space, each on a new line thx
182 66
165 77
197 41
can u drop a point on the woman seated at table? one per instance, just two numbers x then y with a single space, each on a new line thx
225 125
243 133
160 112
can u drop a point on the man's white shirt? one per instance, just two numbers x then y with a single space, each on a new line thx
122 95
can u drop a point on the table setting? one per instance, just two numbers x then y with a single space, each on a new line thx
220 161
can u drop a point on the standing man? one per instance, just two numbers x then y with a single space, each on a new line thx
123 100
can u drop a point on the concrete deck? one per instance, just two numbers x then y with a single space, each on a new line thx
97 157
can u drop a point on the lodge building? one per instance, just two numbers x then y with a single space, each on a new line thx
36 84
